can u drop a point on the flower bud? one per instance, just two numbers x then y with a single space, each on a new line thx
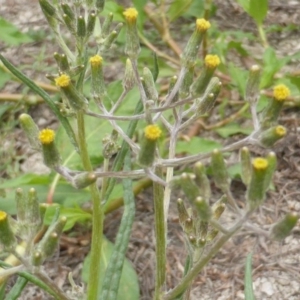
47 246
98 84
252 87
270 136
149 85
110 38
212 234
110 145
272 111
90 24
272 165
99 5
219 207
189 186
184 90
188 226
203 229
31 130
256 191
211 94
129 77
50 153
75 99
203 209
68 11
284 227
182 212
33 218
148 145
202 82
132 46
245 159
219 171
81 27
83 180
106 25
172 83
190 52
202 180
7 238
47 8
70 23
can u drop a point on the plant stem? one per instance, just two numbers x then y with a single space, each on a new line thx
97 218
160 234
262 36
190 276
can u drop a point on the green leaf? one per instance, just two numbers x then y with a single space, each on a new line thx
197 145
258 10
196 9
249 294
177 8
74 215
239 77
232 129
11 35
129 288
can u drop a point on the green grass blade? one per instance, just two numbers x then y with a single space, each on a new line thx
249 294
64 121
17 289
113 273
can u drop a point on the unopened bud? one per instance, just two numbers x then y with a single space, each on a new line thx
129 77
106 25
98 84
284 227
182 212
252 87
81 27
219 170
245 159
149 85
189 187
31 130
188 78
83 180
202 180
7 238
203 209
90 24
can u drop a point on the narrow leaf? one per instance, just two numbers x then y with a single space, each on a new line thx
249 294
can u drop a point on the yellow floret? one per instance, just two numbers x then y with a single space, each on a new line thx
260 163
3 215
212 61
280 130
202 25
130 14
152 132
46 136
63 80
281 92
96 60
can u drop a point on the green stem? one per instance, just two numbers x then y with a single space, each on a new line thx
190 276
97 218
160 234
262 36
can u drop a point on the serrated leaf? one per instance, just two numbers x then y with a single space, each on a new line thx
197 145
129 288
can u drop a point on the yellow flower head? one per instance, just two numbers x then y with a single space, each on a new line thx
202 25
280 131
281 92
46 136
260 163
212 61
63 80
152 132
96 60
3 215
130 14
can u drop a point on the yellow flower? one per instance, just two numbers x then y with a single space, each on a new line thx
280 131
281 92
96 60
63 80
3 215
260 163
46 136
130 14
202 25
212 61
152 132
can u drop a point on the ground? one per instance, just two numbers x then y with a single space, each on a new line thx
276 265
